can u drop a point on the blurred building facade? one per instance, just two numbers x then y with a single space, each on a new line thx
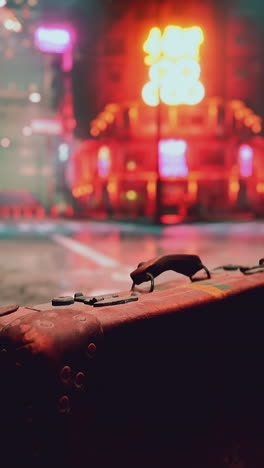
110 66
32 104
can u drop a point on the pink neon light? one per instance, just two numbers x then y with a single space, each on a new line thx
172 158
67 59
246 160
56 40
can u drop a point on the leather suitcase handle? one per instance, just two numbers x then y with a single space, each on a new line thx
187 265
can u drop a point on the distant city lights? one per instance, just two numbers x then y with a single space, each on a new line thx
32 3
56 40
12 25
131 165
131 195
64 152
5 142
35 97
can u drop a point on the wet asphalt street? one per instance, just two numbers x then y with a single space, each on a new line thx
43 259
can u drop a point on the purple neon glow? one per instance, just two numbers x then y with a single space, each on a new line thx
246 160
172 158
56 40
104 161
67 60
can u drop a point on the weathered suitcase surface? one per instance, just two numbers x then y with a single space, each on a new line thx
173 378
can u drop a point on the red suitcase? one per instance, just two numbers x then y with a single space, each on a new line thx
167 378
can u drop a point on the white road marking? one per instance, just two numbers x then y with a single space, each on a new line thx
85 251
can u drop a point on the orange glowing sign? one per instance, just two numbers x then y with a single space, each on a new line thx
174 69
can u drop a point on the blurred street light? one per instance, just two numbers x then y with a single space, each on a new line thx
5 142
35 97
9 19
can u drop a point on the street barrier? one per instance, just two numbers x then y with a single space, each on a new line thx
165 376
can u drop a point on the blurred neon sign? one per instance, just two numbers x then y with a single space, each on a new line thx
246 160
56 40
174 69
104 161
172 158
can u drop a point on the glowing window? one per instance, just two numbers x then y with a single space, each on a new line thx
172 158
104 161
246 160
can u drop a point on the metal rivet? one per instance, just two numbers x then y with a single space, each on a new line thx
79 318
80 380
91 348
64 404
65 373
44 324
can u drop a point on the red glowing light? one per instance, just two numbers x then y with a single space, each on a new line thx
171 219
56 40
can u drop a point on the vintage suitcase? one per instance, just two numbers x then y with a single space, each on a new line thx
169 376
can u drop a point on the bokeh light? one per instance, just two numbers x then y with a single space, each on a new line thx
35 97
64 152
56 40
27 131
5 142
